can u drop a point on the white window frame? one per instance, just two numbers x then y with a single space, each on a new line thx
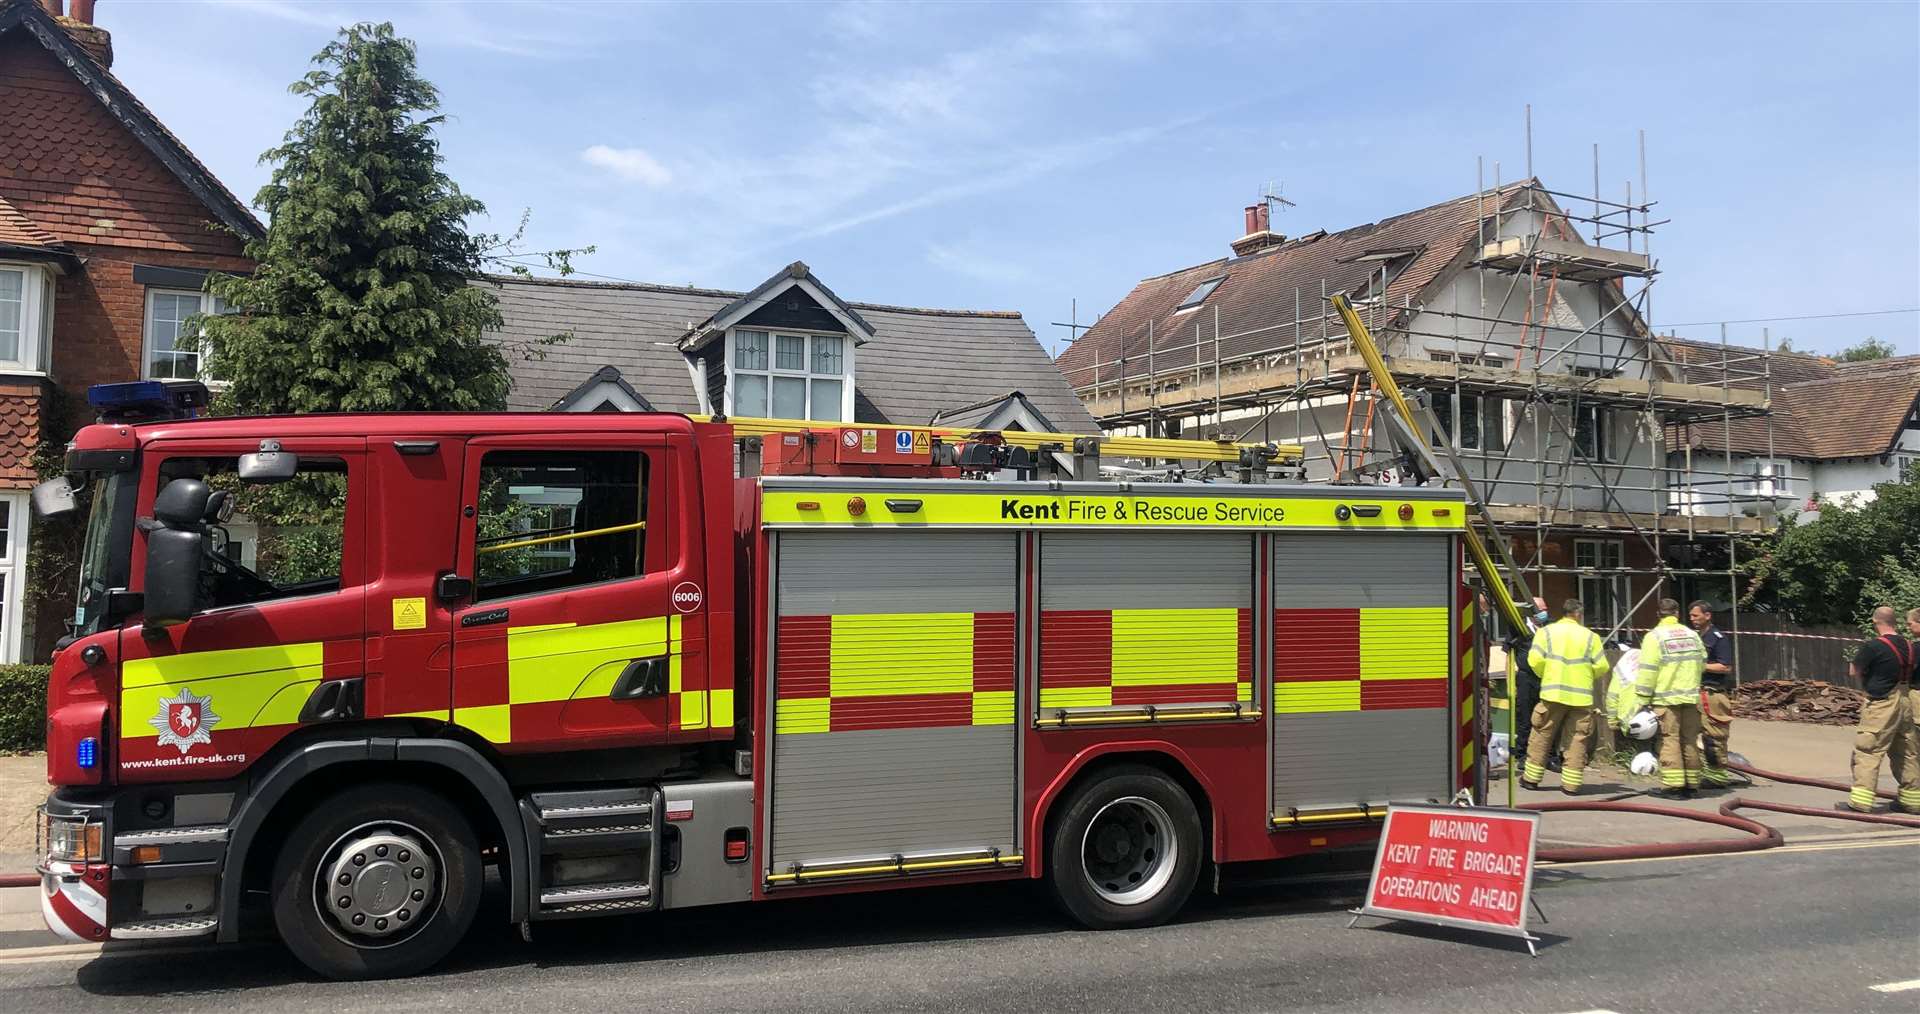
146 333
13 575
805 374
1590 585
36 318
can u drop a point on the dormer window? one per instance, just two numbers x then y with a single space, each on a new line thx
1199 294
26 316
786 375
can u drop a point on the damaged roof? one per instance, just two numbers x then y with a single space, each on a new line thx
1262 291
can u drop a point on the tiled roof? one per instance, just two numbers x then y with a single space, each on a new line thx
1821 409
19 232
919 364
80 61
1260 290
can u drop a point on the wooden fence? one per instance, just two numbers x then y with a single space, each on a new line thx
1770 647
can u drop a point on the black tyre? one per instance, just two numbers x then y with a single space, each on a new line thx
1125 850
378 881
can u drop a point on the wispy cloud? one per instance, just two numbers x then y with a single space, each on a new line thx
631 164
496 28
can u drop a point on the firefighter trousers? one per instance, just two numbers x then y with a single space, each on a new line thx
1550 718
1716 727
1679 746
1886 731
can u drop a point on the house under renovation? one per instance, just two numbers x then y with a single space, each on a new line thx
1515 316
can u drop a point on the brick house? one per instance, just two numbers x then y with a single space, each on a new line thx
108 227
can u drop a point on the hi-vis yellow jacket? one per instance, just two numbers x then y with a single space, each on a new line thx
1671 659
1568 658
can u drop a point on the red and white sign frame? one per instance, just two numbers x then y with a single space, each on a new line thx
1403 828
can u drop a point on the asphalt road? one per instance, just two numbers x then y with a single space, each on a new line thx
1795 929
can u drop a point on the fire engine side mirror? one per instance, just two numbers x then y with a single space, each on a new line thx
53 497
182 504
173 575
269 464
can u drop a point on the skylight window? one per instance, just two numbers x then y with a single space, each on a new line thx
1200 293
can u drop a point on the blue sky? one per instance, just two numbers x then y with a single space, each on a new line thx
1022 157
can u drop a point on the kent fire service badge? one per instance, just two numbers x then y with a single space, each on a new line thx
185 720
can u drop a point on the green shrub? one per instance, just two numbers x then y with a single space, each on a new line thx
23 707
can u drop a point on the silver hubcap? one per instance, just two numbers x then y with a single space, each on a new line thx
1129 851
378 884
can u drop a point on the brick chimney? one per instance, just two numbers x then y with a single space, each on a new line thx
1259 233
80 27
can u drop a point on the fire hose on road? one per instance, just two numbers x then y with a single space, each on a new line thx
1759 836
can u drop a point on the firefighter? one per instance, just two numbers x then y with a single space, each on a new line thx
1884 666
1671 659
1716 682
1569 659
1526 691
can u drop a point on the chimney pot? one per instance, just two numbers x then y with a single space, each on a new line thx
1252 219
82 11
1259 213
53 7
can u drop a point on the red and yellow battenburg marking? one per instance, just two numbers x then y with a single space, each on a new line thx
852 671
1468 740
1093 658
1371 659
543 682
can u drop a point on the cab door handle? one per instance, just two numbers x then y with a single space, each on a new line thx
641 679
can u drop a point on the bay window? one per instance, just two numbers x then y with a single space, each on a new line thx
788 376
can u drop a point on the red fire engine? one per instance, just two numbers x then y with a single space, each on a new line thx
577 648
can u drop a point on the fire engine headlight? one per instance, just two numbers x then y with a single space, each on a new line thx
70 841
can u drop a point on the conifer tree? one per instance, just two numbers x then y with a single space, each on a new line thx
362 298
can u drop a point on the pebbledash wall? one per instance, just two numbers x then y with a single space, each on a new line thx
127 245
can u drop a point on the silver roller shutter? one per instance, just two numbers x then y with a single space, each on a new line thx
1340 758
877 792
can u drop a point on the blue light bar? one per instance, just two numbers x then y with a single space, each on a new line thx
87 753
141 400
127 395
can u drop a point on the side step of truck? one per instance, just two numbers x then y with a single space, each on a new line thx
595 852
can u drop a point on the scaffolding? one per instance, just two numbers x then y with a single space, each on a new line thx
1530 354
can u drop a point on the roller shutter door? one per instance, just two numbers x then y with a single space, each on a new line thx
893 689
1145 618
1362 666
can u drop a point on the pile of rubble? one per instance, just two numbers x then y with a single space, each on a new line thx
1814 701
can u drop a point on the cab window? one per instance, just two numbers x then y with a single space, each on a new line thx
282 540
550 520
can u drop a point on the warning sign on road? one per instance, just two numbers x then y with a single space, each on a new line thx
1464 866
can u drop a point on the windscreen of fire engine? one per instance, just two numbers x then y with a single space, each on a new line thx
556 519
284 539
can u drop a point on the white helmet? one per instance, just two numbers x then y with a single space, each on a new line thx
1644 764
1497 750
1643 725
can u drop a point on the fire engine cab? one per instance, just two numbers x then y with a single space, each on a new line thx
326 669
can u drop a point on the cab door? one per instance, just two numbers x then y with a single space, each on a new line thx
571 638
283 610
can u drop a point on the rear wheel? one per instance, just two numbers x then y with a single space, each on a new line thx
378 881
1125 850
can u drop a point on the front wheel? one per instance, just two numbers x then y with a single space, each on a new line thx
379 881
1125 851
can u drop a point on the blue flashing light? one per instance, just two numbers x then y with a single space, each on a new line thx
132 393
87 754
141 400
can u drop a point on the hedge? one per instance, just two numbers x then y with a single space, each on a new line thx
23 707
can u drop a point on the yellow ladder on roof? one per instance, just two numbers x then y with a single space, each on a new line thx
1110 446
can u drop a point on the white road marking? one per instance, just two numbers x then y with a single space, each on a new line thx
1896 987
1596 1010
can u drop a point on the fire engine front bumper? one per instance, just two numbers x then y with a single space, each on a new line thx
140 884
